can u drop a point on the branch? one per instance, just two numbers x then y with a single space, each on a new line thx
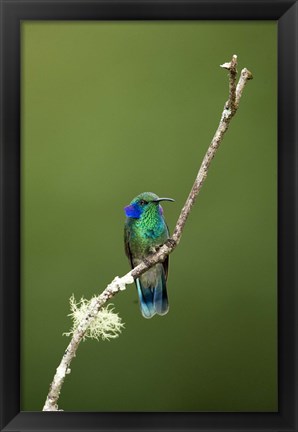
119 284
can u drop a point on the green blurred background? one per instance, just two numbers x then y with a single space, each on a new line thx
112 109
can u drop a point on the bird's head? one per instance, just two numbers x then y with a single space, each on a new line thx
146 201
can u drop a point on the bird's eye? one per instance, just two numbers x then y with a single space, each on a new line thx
143 202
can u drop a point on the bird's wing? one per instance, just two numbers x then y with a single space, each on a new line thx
166 266
166 261
126 244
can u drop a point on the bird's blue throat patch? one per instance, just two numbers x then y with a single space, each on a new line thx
132 211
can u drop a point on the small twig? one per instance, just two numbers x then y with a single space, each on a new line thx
245 76
119 284
232 68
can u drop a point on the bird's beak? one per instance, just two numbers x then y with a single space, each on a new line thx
164 199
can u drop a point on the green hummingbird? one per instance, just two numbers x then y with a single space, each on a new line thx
145 229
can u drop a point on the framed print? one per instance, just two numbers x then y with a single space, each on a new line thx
102 102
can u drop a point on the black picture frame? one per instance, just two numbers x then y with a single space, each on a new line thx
12 13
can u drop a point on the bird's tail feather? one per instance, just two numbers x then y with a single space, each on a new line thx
146 300
153 299
160 296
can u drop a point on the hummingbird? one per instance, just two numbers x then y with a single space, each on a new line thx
145 229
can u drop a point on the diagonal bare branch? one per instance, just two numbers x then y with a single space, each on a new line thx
119 284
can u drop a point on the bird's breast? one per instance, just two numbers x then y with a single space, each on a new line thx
144 238
152 231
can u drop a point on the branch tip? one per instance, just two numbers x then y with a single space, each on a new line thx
247 74
230 66
226 65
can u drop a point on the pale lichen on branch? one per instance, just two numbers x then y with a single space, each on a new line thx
89 315
106 324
